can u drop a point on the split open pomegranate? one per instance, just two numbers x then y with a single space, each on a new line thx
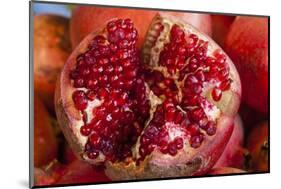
169 113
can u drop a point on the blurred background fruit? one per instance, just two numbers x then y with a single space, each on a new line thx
82 22
51 49
250 116
258 146
220 27
48 174
45 142
225 170
82 172
247 45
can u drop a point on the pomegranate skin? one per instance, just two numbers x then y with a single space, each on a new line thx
225 170
51 49
247 45
156 165
82 24
45 142
234 154
258 145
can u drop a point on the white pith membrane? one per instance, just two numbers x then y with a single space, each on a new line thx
174 130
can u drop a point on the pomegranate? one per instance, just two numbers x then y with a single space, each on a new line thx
220 27
258 146
225 170
247 45
82 22
167 114
45 142
234 155
51 49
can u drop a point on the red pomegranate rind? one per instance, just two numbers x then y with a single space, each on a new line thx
179 140
234 155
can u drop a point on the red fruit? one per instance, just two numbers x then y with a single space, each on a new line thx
225 170
250 117
220 27
82 22
154 117
258 145
49 174
234 155
247 45
79 172
51 49
45 143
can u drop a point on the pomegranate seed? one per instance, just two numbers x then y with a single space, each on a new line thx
94 140
216 94
172 149
93 154
211 128
179 143
85 130
196 141
225 85
80 100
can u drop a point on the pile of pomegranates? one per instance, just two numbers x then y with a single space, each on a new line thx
158 98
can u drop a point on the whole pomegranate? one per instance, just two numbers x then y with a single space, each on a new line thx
225 171
247 45
45 142
51 49
82 22
220 27
167 114
258 146
234 155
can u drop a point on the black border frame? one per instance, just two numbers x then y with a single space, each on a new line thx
31 95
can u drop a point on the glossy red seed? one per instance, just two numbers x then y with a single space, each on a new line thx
179 143
85 130
172 149
225 85
94 140
192 129
80 100
195 141
93 154
211 128
216 94
197 114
